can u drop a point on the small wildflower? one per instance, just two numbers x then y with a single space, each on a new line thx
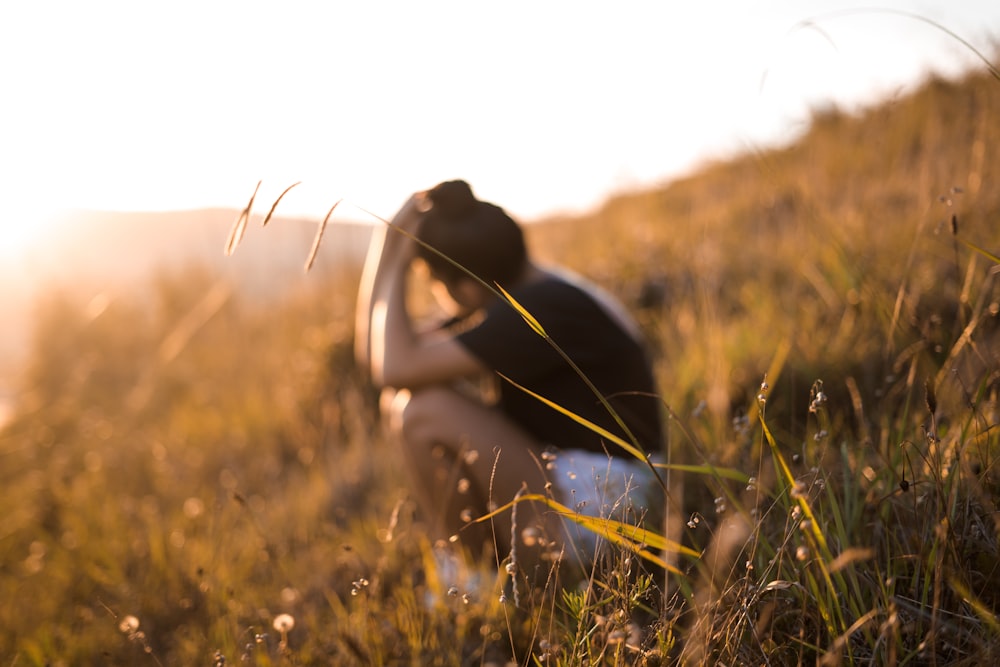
465 515
356 586
751 484
463 485
820 435
818 397
511 568
465 598
503 599
194 507
799 490
129 624
471 457
284 623
802 553
453 592
289 595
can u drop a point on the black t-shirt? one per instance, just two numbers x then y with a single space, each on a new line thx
614 361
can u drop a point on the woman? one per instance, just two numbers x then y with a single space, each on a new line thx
466 454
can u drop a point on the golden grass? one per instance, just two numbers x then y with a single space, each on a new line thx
248 510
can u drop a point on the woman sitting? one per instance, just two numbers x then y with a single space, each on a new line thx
466 453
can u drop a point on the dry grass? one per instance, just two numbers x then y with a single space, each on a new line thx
188 466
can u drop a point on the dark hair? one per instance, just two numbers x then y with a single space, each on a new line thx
476 234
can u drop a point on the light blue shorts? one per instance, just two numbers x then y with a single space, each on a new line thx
622 488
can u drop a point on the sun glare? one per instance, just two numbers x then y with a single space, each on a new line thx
24 227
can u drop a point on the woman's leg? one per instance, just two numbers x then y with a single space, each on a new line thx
466 458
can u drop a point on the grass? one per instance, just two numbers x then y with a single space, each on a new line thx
195 477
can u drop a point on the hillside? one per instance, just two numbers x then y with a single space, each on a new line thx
197 475
848 228
91 253
843 220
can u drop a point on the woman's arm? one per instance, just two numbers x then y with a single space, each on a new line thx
363 310
386 340
380 269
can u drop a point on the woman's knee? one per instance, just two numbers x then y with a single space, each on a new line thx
419 414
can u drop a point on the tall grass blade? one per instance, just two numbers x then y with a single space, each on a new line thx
633 538
239 227
319 237
809 23
604 433
982 251
267 217
528 317
708 470
981 609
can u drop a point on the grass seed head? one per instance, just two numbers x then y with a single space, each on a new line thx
284 623
129 624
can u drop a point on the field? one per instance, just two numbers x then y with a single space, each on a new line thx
192 476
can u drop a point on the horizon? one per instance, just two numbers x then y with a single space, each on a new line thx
547 115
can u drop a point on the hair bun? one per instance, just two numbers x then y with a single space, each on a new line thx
452 200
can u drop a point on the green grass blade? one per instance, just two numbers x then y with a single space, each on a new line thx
604 433
528 317
982 251
634 538
708 470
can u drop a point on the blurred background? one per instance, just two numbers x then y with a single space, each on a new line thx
114 108
802 191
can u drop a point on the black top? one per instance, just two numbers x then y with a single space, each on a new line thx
614 361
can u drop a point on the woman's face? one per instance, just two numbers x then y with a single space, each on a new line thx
459 297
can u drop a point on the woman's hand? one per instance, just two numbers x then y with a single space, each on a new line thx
400 246
411 214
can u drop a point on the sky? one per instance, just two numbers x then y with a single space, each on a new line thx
543 106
